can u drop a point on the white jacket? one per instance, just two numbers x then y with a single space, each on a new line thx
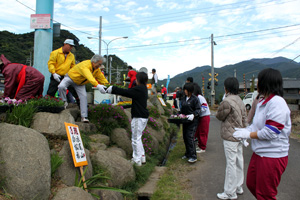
273 125
204 107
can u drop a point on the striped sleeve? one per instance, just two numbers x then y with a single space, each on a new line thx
274 126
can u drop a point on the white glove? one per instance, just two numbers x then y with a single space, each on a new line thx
101 88
244 142
190 117
56 77
241 133
109 89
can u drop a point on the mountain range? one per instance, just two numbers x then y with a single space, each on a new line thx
19 49
251 68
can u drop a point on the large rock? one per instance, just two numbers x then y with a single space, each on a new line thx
72 193
86 127
75 112
108 195
121 170
120 137
159 135
67 170
117 151
52 123
154 100
128 113
25 162
100 138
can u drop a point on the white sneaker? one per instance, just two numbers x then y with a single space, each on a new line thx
143 159
200 150
226 196
85 120
66 105
136 163
239 190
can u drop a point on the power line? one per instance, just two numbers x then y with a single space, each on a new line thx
57 21
221 36
295 58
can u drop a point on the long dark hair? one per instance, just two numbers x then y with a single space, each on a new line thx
270 82
189 87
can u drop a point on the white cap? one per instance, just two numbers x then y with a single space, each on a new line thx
70 42
102 67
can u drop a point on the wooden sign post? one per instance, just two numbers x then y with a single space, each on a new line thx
77 149
162 102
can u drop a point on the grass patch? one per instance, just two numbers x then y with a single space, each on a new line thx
172 184
56 161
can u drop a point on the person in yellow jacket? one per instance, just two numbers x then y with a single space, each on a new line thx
60 62
87 71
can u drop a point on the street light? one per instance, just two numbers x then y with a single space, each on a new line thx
107 44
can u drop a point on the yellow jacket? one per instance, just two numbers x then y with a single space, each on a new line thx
60 64
83 73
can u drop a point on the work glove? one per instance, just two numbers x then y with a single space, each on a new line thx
101 88
241 133
56 77
190 117
109 89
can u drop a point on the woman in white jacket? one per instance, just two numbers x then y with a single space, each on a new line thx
269 135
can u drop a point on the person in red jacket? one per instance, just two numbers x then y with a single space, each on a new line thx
164 92
21 81
131 76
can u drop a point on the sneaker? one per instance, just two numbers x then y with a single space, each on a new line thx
183 157
85 120
226 196
136 163
66 105
143 159
198 150
192 160
239 191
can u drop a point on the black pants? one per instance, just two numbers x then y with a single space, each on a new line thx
189 130
53 86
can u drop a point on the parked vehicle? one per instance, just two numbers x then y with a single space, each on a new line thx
249 98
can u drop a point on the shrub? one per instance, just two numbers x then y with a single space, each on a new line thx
167 110
153 112
46 101
153 123
85 140
147 142
21 115
107 117
56 161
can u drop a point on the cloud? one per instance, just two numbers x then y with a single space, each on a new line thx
172 27
127 6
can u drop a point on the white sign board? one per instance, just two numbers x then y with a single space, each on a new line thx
40 21
76 145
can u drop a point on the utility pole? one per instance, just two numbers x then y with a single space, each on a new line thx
212 101
110 69
100 35
234 73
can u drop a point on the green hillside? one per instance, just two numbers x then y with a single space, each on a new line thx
249 68
18 48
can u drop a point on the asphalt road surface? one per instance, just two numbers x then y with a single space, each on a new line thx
208 177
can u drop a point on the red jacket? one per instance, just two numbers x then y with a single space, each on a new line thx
132 76
164 90
33 85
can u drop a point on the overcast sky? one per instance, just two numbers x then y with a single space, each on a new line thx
173 36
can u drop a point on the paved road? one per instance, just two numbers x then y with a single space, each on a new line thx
208 177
